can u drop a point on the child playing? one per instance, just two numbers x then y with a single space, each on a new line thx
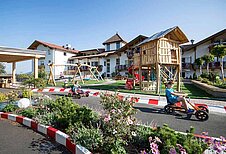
75 86
174 97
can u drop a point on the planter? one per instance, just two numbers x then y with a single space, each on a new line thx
212 90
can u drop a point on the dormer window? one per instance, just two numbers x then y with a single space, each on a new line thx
117 45
108 47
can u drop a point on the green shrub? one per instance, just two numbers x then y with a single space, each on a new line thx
205 75
199 78
28 112
91 138
10 108
40 83
204 80
12 96
118 123
27 93
2 97
194 76
140 137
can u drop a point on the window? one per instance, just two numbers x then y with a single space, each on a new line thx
108 47
49 53
118 61
117 45
42 63
65 54
104 63
49 61
88 63
94 63
108 65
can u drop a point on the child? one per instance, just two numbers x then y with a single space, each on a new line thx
75 87
174 97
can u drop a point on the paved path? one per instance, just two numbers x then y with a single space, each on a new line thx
18 139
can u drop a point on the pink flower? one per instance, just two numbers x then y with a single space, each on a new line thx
172 151
150 139
129 121
113 111
158 139
107 118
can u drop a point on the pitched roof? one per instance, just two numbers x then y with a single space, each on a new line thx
114 38
100 50
104 54
206 39
164 33
36 43
137 40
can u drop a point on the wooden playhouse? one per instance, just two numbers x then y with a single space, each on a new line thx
160 54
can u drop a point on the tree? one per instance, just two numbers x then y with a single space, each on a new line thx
2 68
219 51
208 59
199 62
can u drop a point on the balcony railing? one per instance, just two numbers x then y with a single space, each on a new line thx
213 65
121 67
186 65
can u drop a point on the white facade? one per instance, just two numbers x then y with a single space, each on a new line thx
113 46
189 56
54 56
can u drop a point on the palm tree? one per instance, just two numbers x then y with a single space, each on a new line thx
220 51
208 59
199 62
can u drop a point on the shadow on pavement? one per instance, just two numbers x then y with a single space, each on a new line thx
44 145
177 115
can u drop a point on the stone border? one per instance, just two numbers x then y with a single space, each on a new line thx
51 132
212 90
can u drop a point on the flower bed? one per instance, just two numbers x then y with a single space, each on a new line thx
113 130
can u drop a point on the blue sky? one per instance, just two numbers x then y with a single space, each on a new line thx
87 23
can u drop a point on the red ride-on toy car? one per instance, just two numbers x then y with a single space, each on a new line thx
78 94
200 111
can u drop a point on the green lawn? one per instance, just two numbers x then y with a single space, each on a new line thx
86 83
190 89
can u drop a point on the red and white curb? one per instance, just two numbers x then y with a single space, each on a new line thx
212 108
51 132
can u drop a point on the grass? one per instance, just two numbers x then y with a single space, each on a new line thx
190 89
86 83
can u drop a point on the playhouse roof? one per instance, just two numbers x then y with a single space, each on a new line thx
180 35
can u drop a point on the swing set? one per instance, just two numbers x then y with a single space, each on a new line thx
77 69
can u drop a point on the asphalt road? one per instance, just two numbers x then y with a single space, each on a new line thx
215 125
18 139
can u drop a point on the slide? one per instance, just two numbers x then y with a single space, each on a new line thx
129 81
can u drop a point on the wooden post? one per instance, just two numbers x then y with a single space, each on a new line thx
80 75
178 78
90 69
14 72
157 78
76 71
51 76
140 70
35 68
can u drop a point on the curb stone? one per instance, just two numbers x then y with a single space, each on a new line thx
51 132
